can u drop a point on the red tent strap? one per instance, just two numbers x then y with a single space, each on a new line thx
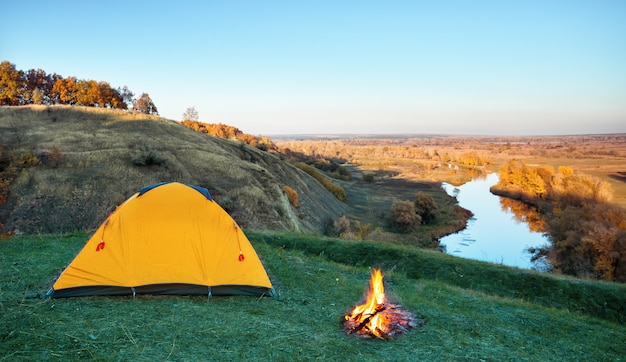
101 243
241 257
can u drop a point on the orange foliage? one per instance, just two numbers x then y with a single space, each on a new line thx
587 233
229 132
292 195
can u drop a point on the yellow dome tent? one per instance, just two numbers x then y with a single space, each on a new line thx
168 238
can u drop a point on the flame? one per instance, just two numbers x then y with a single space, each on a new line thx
377 317
368 312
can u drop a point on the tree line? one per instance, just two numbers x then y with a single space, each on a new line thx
230 132
587 233
35 86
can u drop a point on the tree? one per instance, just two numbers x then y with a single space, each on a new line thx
65 90
190 114
144 104
126 97
39 86
37 97
87 93
12 85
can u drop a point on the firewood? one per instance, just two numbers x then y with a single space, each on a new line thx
367 319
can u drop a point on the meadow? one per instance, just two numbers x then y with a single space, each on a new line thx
472 310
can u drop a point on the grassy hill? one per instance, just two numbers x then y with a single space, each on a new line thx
472 310
79 162
76 163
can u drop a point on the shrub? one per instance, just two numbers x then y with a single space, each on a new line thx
363 230
403 216
426 207
54 157
368 177
341 173
292 195
147 156
342 225
27 159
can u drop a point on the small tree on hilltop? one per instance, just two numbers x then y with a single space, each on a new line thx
144 104
190 114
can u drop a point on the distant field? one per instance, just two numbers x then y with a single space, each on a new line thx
436 158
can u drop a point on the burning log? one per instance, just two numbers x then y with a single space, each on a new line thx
376 317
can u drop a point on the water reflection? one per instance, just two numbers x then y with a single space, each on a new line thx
524 213
501 230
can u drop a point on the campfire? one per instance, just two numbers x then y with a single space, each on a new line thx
377 317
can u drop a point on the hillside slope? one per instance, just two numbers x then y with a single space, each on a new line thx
106 156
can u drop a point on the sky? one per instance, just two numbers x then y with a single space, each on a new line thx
477 67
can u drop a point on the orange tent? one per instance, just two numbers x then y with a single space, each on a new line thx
168 238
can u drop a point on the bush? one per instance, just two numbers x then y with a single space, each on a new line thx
292 195
368 177
147 156
342 226
403 216
426 207
53 158
27 159
341 173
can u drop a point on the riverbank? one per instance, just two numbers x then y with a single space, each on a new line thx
586 230
495 234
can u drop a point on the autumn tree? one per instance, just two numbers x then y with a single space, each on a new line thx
144 104
35 86
87 93
65 90
37 97
12 85
587 234
533 183
39 86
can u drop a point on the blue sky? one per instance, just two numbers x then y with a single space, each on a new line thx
283 67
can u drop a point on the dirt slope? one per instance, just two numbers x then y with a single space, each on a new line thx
102 151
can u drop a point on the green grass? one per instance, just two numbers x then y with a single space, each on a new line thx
604 300
464 320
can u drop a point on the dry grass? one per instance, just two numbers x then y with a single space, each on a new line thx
100 170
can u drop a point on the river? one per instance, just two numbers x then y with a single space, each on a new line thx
494 234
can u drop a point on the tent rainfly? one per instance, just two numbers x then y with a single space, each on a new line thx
168 238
